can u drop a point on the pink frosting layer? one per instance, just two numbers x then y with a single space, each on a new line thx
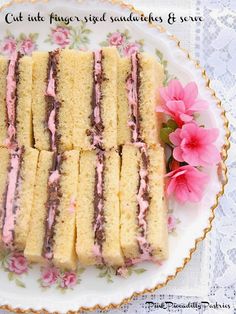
11 100
98 223
97 139
10 214
51 85
51 91
143 207
97 73
99 169
97 253
99 216
54 177
131 86
51 216
49 255
52 127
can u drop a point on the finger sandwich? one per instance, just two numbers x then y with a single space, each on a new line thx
52 230
142 204
98 217
15 101
53 99
17 179
95 94
139 78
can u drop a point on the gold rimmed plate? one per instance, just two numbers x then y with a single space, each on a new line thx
99 287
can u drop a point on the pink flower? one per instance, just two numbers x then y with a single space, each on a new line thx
116 39
69 280
186 184
49 276
180 102
27 46
17 263
130 49
194 145
8 46
60 36
171 222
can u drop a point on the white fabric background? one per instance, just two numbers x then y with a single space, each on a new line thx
211 274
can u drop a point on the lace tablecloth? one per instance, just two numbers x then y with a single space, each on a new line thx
211 274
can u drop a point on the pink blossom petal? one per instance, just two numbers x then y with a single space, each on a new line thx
185 117
182 193
190 94
171 187
209 135
195 196
194 186
175 90
191 156
188 131
198 175
193 179
209 155
178 154
175 137
199 105
175 106
179 173
164 94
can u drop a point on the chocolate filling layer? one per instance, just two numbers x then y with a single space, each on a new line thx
133 83
52 204
99 219
11 119
11 197
143 203
53 104
96 122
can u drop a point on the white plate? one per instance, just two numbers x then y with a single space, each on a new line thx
100 286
